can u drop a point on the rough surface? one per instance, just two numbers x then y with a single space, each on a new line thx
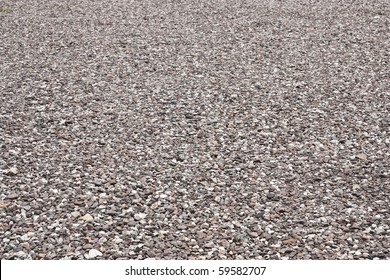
194 129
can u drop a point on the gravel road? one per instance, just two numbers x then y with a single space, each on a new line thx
188 129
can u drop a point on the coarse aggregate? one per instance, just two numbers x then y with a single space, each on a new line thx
193 129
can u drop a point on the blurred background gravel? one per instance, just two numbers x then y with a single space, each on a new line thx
194 129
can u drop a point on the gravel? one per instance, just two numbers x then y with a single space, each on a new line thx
194 129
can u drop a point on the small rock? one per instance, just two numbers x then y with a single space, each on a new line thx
12 196
87 246
380 230
68 248
111 213
41 255
267 217
25 245
117 240
289 241
355 188
13 152
23 255
193 242
79 202
260 214
362 156
4 203
323 219
43 181
139 216
11 171
93 253
98 182
182 226
102 240
329 243
355 226
75 214
27 236
222 250
86 217
226 244
385 121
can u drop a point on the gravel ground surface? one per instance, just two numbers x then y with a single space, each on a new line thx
194 129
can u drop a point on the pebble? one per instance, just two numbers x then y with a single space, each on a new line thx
380 230
139 216
27 236
362 156
75 214
117 240
12 196
23 255
358 253
13 171
4 203
93 253
25 245
289 241
260 214
86 217
267 217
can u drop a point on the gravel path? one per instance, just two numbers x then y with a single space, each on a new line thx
194 129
